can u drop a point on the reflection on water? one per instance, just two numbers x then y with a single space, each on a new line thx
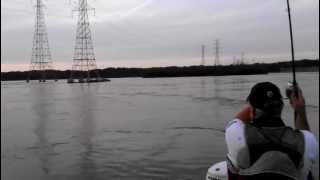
216 93
203 94
203 89
86 131
41 108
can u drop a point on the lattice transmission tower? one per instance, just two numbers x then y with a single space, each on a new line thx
41 55
242 58
203 56
84 66
217 53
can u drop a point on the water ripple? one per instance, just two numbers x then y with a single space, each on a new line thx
197 128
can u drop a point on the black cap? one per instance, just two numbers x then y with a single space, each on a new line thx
265 96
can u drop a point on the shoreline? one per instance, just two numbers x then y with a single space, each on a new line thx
175 71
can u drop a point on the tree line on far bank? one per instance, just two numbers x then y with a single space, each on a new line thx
173 71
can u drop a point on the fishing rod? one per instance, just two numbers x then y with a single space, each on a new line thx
294 81
294 86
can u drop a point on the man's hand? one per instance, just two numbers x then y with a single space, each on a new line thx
297 101
246 114
298 104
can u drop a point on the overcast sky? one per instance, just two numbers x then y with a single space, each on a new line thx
144 33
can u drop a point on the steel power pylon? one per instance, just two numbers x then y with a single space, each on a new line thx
217 52
242 58
41 55
203 48
84 61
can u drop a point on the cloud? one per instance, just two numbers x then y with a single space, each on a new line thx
165 32
135 8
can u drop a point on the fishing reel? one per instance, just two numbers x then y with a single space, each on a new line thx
291 87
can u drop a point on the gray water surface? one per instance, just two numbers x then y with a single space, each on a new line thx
135 129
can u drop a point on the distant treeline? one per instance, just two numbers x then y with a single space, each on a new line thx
242 69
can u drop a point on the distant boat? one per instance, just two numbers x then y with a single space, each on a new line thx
81 80
97 80
70 81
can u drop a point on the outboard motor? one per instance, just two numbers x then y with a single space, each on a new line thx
218 171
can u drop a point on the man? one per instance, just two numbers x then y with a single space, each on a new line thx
259 144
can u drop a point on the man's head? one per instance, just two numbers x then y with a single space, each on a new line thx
266 100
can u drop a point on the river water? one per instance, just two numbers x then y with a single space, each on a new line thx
136 129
